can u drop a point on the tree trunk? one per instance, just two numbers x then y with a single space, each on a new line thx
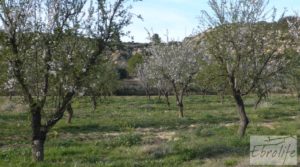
179 97
148 94
203 94
244 121
70 113
38 134
180 105
167 99
38 150
222 98
257 102
147 90
159 95
94 103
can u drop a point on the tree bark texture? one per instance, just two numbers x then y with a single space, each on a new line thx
244 121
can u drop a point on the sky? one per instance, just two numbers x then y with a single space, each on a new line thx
179 18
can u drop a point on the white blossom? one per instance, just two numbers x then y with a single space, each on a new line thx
10 84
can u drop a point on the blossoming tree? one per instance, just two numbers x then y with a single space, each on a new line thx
51 46
245 45
177 63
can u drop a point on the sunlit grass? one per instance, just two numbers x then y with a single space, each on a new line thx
133 131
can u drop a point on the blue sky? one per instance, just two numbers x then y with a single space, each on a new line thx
179 17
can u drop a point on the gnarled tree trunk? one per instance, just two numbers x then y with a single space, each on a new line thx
179 101
38 134
38 149
244 121
179 98
180 105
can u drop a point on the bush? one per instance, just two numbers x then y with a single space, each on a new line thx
133 62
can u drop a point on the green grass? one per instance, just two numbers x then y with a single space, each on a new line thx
133 131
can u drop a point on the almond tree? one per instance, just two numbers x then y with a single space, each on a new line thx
103 81
177 63
51 46
152 79
262 91
143 74
245 45
210 80
164 87
293 73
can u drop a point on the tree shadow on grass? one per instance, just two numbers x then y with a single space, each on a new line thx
89 128
13 117
286 103
171 124
209 151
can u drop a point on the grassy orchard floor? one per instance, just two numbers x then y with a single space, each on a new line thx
132 131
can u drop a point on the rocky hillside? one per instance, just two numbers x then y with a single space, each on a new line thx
121 56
